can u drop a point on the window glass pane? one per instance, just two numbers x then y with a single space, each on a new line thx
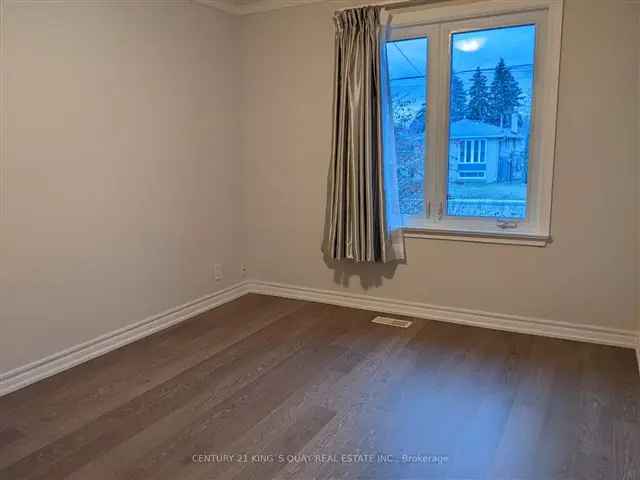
492 78
407 69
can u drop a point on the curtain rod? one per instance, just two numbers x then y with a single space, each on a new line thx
392 4
411 3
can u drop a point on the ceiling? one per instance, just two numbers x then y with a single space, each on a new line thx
245 7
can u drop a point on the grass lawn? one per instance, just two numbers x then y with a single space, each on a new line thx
491 191
502 200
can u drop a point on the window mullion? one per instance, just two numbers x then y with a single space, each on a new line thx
431 137
442 122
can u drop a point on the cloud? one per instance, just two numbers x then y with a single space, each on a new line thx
470 44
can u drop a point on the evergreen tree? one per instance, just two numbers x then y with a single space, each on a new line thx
479 105
458 99
505 95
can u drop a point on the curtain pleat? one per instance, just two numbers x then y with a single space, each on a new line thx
362 210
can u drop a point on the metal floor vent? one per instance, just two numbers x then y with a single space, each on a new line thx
394 322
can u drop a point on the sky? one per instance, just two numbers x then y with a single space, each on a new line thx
481 48
485 48
407 58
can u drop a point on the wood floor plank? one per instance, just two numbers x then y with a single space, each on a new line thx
626 450
299 330
625 410
103 433
269 376
287 445
132 374
217 428
595 430
453 391
477 444
513 458
71 384
621 370
230 419
558 441
383 412
362 341
9 435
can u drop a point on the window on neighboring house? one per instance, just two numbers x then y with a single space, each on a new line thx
474 93
471 151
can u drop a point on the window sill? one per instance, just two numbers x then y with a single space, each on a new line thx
486 236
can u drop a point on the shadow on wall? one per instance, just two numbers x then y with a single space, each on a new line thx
371 274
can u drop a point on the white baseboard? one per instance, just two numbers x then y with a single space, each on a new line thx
46 367
58 362
496 321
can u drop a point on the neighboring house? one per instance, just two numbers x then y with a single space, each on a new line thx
481 152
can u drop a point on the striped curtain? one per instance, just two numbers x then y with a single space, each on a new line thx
363 214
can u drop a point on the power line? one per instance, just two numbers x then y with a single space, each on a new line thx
415 77
513 67
395 44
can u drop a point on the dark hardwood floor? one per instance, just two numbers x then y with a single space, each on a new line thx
270 388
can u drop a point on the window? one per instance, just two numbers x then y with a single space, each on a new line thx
474 94
471 151
409 90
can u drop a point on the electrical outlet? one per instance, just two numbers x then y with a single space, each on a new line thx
217 272
243 270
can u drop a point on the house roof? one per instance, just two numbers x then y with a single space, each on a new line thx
472 129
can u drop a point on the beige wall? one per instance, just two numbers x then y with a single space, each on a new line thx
638 174
587 276
144 141
119 167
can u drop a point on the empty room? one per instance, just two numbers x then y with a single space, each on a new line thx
320 239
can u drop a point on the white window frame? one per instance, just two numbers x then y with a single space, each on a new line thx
438 23
475 145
